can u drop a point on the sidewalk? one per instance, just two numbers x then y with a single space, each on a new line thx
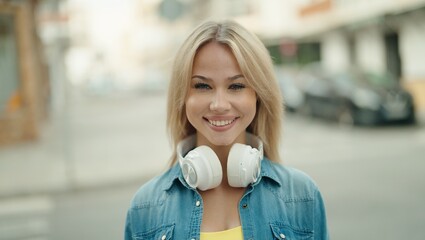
96 142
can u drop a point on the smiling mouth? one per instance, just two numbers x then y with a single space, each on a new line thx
221 123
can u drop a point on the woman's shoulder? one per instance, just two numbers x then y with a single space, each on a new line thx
154 190
291 179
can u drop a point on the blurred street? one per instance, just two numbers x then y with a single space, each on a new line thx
79 186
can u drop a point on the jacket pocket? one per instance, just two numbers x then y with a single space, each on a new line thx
159 233
283 231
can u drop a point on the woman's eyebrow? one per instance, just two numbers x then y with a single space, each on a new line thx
201 77
209 79
236 77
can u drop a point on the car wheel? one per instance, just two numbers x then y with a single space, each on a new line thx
411 119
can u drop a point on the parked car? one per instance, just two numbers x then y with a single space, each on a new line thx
359 97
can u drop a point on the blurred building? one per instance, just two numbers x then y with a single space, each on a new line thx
120 45
379 36
24 82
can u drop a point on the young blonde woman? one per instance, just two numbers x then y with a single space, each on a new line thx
225 181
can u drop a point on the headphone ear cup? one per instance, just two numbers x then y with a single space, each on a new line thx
202 169
243 165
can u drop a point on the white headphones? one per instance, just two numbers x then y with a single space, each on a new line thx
202 169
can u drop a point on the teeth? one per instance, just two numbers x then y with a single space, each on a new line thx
221 123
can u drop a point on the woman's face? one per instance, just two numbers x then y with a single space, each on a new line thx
220 104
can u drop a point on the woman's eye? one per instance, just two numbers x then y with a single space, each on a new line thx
202 86
237 86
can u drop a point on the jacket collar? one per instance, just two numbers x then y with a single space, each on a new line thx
174 175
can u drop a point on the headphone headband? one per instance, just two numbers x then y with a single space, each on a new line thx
187 144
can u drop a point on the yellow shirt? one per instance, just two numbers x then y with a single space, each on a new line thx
230 234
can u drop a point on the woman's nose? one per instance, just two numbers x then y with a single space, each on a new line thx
220 102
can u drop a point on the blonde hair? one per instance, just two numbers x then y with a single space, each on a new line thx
255 64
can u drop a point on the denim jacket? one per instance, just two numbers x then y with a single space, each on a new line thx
284 203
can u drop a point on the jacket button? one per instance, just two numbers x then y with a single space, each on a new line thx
163 237
282 236
198 203
244 205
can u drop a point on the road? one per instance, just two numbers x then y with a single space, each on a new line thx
372 181
372 178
